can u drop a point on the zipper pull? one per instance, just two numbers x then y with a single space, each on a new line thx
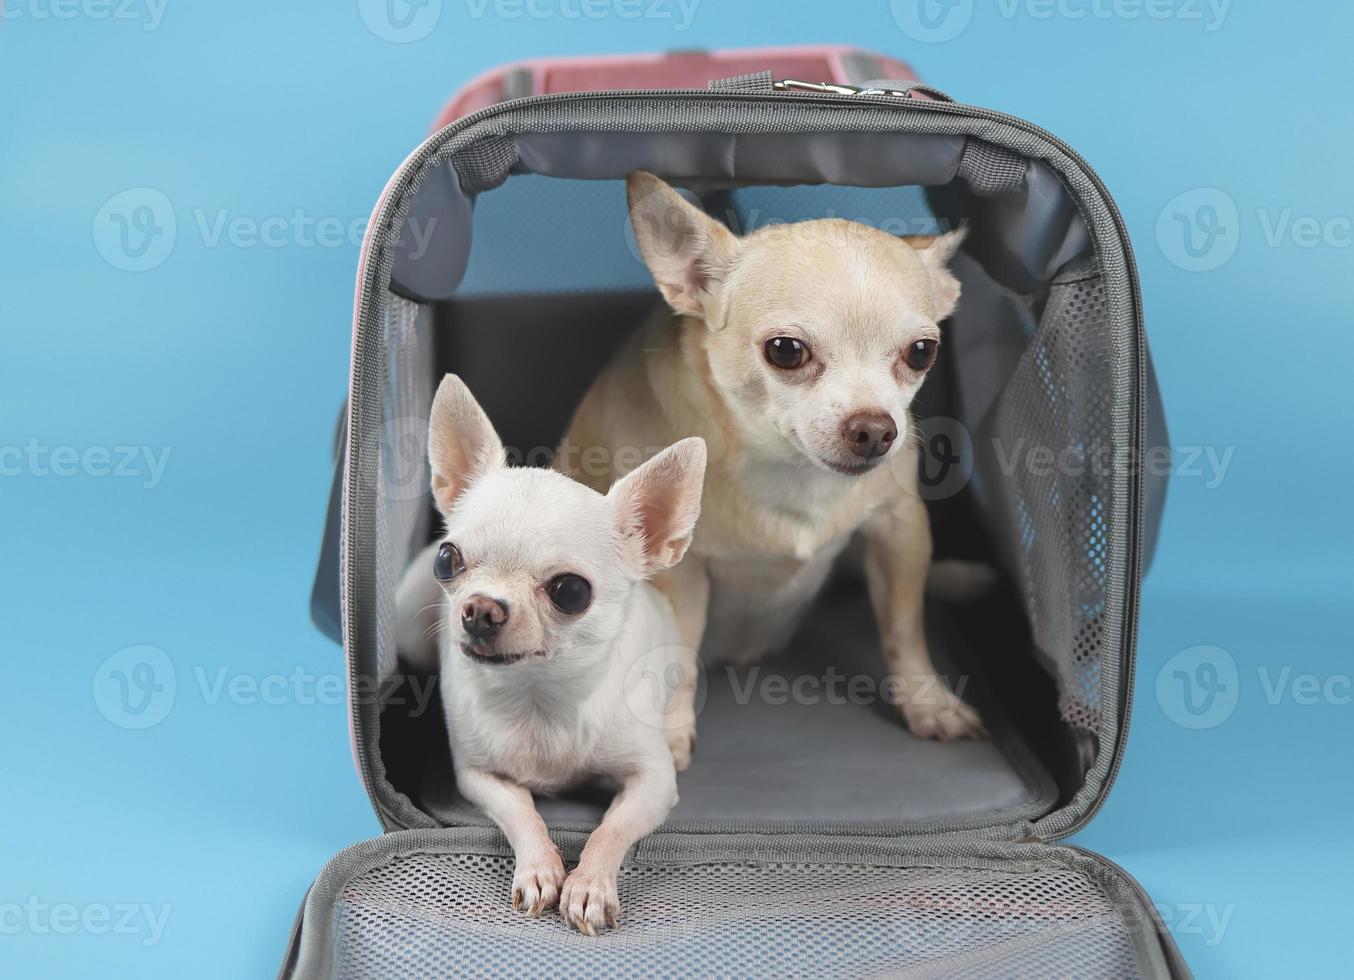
887 89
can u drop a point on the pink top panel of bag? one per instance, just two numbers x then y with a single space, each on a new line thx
679 69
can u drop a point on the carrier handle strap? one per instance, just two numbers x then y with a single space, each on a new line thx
753 83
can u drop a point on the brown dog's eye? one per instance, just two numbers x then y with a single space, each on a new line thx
921 355
786 353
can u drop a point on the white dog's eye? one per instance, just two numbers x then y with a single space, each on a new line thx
570 593
921 354
448 563
786 353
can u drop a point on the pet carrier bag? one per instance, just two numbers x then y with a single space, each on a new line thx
814 835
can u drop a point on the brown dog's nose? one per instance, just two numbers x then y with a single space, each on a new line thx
870 434
482 617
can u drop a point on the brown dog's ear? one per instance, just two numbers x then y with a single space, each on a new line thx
657 506
462 444
688 252
936 252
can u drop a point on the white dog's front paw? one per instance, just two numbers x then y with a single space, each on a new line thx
932 710
536 882
590 901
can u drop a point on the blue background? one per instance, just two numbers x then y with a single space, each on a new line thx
234 358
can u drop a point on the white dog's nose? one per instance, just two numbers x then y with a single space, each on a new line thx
482 617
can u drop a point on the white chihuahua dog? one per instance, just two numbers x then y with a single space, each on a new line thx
554 647
795 351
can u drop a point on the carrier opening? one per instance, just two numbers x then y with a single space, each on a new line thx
552 283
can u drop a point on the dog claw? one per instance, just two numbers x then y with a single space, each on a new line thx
943 717
681 744
589 901
536 883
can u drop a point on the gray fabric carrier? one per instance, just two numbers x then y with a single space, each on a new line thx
815 836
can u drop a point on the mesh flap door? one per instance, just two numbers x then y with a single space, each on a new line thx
410 905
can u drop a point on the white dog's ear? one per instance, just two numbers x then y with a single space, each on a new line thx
462 444
657 505
935 252
688 252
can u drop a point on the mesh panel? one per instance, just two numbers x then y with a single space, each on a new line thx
433 915
1053 429
402 476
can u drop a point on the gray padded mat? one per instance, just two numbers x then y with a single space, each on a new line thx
843 760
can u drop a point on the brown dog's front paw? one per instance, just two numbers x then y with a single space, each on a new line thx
934 711
680 733
682 744
536 883
590 901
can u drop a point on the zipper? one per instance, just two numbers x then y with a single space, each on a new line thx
817 93
1128 878
1175 964
837 88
